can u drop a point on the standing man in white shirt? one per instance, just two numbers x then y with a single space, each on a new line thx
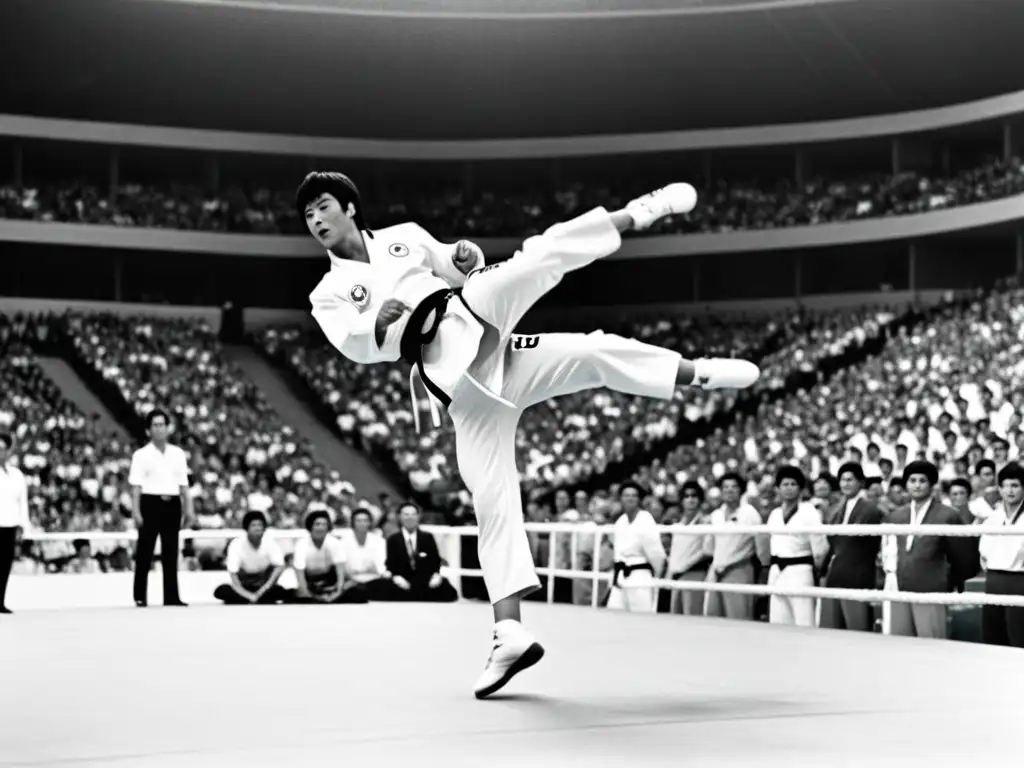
1003 560
13 513
688 558
255 563
159 479
796 558
639 555
319 563
733 555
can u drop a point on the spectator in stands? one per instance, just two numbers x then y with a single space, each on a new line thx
319 563
83 561
688 558
852 561
795 558
735 557
1003 560
366 557
928 563
415 563
255 564
14 518
960 500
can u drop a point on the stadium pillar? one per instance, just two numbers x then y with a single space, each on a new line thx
707 169
800 169
1008 142
113 173
912 267
118 276
212 174
798 276
696 280
1020 254
896 160
18 164
467 180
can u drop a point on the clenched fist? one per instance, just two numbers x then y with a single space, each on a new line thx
389 313
467 256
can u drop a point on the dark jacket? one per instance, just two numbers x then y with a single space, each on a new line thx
428 559
852 561
935 563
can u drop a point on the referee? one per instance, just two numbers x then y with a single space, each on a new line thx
159 480
13 513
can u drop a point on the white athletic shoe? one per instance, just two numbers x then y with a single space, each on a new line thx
513 651
724 373
673 199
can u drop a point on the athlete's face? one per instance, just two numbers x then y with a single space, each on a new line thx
320 528
1012 492
328 222
958 496
789 490
919 488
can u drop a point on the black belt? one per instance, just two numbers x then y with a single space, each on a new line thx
416 336
160 497
784 562
628 570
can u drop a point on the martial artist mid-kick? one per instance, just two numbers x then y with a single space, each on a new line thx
399 293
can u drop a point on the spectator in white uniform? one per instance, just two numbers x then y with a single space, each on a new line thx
1002 557
319 564
688 558
795 558
639 555
255 563
366 557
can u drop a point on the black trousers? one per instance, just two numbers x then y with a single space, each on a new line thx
161 517
276 594
421 592
1001 625
7 546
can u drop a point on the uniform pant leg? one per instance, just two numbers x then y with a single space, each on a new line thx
485 430
617 600
930 621
714 604
831 615
170 528
779 609
857 615
642 597
227 595
690 602
502 293
901 620
739 606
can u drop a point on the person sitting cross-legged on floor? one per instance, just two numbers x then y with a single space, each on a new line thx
319 563
415 563
255 563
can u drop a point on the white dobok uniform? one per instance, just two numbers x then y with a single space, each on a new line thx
638 551
490 374
792 566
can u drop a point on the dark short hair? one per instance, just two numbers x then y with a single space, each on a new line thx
252 517
833 484
337 185
634 485
984 463
692 486
791 473
926 468
361 511
732 476
873 480
854 469
156 413
1012 471
315 515
409 503
960 482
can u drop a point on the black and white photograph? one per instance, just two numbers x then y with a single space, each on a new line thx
511 382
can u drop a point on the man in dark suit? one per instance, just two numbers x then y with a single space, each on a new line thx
415 563
928 563
852 561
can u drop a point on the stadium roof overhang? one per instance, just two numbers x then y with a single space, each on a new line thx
391 69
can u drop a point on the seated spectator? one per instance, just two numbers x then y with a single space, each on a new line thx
415 563
83 561
319 563
366 557
255 564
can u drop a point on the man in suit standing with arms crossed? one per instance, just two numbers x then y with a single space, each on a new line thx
852 561
927 563
159 479
415 563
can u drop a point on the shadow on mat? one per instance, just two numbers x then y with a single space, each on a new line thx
661 708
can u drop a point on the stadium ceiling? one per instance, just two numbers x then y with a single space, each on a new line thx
396 69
